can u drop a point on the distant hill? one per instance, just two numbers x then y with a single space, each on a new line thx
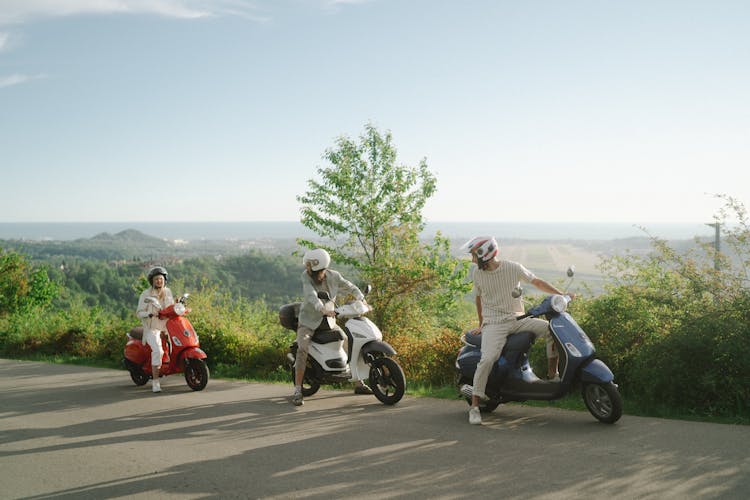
127 236
125 245
131 244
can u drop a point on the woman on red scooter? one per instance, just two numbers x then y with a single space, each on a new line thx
153 325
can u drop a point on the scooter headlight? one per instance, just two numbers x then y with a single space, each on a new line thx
179 309
559 303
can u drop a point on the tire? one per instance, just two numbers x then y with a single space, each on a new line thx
139 376
387 380
310 385
196 374
603 401
484 406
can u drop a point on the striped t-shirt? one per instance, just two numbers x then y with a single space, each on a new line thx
495 287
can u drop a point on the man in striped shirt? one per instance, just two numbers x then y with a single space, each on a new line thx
497 309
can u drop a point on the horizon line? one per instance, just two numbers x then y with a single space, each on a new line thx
298 222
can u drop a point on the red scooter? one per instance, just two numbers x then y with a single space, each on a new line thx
181 349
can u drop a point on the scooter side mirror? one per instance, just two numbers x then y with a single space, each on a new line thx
324 296
517 291
571 271
367 290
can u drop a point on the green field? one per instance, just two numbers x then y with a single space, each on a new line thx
551 260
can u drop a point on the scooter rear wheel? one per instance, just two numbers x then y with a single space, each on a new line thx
139 376
310 385
603 401
486 406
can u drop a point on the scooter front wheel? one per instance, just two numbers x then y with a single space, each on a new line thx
387 380
196 374
603 401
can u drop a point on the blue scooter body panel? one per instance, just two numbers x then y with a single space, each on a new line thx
596 372
571 336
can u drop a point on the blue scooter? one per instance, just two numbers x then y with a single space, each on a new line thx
512 378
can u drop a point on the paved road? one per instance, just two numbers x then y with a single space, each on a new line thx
75 432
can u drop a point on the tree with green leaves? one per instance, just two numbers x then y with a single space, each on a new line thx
367 208
21 285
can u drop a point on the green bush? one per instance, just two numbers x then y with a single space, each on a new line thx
702 367
241 338
78 332
428 360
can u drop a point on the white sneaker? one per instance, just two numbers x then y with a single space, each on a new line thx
156 386
556 378
475 417
297 398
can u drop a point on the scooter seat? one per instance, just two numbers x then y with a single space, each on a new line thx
136 333
520 341
474 339
326 336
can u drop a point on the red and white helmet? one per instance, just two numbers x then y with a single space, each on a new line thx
484 247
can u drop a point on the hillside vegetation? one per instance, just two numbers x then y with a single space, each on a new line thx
675 332
672 322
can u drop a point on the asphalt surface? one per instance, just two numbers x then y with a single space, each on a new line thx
76 432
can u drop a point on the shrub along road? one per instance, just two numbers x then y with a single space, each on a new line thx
78 432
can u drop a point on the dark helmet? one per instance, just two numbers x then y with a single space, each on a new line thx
157 270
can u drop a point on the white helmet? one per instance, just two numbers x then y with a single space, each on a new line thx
317 258
484 247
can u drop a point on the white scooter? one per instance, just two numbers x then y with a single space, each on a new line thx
328 362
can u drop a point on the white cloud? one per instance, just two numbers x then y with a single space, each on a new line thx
17 79
20 11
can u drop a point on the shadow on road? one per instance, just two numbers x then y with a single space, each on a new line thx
247 441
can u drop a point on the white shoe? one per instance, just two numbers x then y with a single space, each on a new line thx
556 378
475 417
297 398
156 386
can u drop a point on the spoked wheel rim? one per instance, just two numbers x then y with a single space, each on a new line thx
196 374
387 380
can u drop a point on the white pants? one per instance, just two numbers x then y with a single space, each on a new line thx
494 336
153 339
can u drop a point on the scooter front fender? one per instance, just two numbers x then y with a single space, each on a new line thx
193 353
596 372
378 346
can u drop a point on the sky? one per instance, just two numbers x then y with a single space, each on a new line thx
525 111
